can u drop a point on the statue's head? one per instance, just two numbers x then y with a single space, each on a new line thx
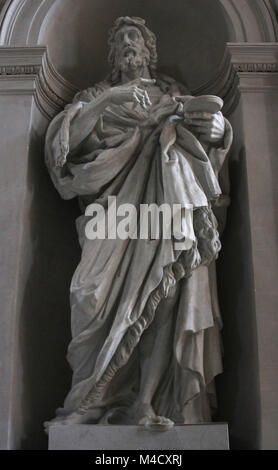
132 45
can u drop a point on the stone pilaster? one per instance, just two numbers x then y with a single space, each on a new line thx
31 92
257 67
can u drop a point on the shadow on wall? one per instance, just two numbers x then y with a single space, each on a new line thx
274 4
238 388
45 314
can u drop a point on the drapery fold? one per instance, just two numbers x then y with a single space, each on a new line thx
119 284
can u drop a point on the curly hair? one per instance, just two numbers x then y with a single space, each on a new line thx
205 228
149 38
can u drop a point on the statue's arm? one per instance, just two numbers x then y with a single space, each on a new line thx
66 131
84 121
81 117
218 150
73 125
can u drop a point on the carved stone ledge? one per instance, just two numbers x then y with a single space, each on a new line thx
254 58
19 69
21 65
262 83
256 68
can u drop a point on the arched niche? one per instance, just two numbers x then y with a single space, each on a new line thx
75 34
71 47
251 20
80 53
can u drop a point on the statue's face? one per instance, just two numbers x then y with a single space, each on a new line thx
130 49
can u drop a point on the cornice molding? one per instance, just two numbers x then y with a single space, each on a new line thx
19 69
256 66
24 64
263 83
263 54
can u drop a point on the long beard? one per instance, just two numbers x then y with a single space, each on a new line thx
135 60
131 63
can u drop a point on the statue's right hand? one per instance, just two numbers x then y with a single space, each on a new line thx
62 158
131 92
61 161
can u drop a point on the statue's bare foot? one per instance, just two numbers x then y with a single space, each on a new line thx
157 423
145 415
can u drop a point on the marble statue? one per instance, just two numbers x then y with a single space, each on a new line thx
145 319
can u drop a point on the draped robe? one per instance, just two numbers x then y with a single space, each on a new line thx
119 284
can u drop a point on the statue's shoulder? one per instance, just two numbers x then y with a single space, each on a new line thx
91 93
171 86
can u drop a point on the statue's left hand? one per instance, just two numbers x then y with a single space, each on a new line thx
209 127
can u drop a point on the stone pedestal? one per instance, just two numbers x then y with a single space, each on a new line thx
101 437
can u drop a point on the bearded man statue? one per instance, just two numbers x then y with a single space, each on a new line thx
145 319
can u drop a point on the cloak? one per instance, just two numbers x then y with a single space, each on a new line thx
142 157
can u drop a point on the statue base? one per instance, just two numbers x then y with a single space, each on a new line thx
212 436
